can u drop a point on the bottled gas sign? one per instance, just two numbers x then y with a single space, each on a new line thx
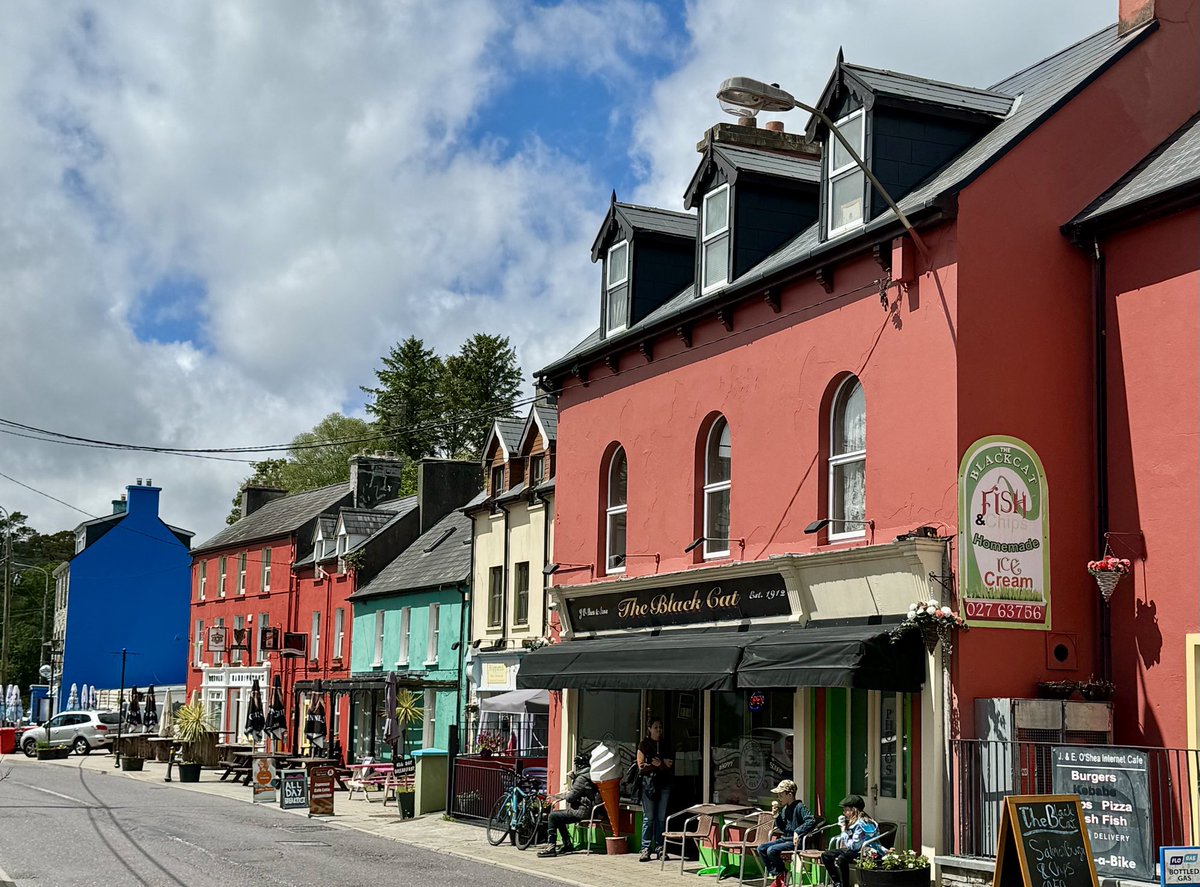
1004 557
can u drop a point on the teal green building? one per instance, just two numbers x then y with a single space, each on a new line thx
410 620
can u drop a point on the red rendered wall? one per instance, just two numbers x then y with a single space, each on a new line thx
1153 289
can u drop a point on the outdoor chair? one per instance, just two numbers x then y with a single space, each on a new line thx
809 854
756 829
698 828
593 824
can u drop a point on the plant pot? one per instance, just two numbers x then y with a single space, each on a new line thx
1096 693
53 754
408 804
893 877
485 753
616 846
132 764
1056 689
189 772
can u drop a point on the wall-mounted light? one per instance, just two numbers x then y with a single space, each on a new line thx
821 523
700 540
551 569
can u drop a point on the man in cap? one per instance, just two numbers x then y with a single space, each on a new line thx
793 821
857 830
579 802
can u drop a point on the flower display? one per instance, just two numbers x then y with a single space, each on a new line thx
934 620
1110 564
894 860
490 741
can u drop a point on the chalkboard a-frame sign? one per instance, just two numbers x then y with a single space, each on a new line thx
1044 843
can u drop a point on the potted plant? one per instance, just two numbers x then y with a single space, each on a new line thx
408 712
1094 690
935 621
1057 689
896 868
192 728
1108 571
48 752
132 763
489 742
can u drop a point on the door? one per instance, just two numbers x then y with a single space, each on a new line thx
680 711
887 775
58 729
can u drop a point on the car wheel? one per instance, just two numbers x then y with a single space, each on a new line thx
81 746
29 746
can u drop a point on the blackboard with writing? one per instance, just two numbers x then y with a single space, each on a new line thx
293 789
1044 843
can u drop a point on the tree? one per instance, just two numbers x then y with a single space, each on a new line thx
480 383
406 404
316 458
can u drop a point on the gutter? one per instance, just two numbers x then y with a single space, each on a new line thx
1100 344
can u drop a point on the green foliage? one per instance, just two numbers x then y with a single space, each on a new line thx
408 712
481 383
190 726
406 405
893 861
35 557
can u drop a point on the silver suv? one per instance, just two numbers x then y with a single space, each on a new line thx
82 731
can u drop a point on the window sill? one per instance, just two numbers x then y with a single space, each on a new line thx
428 664
376 665
716 556
844 538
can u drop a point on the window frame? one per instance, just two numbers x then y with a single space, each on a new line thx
537 477
495 609
496 483
841 172
266 569
839 460
198 657
339 631
433 635
405 637
712 487
612 511
707 238
262 625
521 594
219 655
235 656
610 285
241 586
377 662
222 573
314 651
202 581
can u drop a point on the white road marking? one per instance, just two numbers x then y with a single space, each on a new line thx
47 791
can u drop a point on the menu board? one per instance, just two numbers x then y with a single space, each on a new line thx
262 778
293 789
320 791
1044 843
1113 785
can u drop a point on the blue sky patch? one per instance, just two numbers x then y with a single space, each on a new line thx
171 310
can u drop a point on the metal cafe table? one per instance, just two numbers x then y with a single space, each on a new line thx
692 816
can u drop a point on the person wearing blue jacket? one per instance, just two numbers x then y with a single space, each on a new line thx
857 830
793 821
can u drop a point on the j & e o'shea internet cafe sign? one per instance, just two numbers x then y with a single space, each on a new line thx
1004 557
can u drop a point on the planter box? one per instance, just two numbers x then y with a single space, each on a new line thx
53 754
893 878
189 772
408 803
132 764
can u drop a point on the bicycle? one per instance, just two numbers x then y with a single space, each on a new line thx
518 812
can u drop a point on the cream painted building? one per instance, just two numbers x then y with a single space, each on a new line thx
513 539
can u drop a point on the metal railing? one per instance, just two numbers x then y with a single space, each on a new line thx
477 782
984 772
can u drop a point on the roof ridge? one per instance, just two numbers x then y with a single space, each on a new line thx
1055 55
923 79
657 209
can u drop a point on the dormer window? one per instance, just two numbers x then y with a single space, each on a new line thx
714 251
497 480
617 287
847 185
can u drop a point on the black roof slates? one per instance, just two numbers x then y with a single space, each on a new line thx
661 221
279 517
933 92
801 169
446 563
548 416
363 521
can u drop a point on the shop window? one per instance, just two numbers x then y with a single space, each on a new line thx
753 744
616 512
718 463
848 462
612 717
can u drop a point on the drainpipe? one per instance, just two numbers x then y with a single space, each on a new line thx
1100 325
545 562
504 584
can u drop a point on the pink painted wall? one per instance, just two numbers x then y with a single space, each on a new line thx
1153 289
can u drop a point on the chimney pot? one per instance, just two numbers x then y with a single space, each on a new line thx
149 482
747 121
775 125
139 481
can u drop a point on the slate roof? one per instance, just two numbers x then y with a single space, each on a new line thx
510 432
1042 88
279 517
364 521
661 221
440 556
1172 165
548 416
931 92
403 505
800 169
328 525
513 493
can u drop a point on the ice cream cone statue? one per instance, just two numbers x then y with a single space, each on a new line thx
606 774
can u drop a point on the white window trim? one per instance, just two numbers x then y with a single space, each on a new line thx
314 651
266 569
198 657
613 511
259 627
849 166
721 232
432 635
219 655
429 709
203 582
842 535
339 631
242 573
718 486
378 661
610 285
222 572
405 635
239 624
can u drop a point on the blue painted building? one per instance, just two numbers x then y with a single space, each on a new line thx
127 586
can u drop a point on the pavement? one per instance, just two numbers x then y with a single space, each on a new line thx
433 832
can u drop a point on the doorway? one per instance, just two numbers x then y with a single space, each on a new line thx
880 727
681 712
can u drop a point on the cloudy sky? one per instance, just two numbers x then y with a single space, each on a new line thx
216 216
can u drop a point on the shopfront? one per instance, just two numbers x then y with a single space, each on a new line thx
757 681
226 695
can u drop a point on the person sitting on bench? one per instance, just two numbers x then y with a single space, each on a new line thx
579 803
793 820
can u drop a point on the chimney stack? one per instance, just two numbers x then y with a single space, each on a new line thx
375 478
443 485
255 497
143 500
1132 14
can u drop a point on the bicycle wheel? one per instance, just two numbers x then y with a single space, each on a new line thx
530 824
500 822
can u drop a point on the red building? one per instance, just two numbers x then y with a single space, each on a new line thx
763 464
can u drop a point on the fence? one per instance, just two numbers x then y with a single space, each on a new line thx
984 772
477 782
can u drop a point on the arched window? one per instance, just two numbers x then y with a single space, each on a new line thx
717 472
618 492
848 461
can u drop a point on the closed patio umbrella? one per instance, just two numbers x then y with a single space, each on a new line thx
94 699
85 699
255 718
314 724
164 721
276 721
391 725
12 706
150 718
135 712
73 698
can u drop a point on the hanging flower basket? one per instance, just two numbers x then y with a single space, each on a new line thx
935 622
1108 571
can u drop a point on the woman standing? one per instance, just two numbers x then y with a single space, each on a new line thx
857 829
656 763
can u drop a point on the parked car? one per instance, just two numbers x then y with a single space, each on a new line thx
82 731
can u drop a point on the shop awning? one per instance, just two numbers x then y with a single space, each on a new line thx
517 702
670 660
861 656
